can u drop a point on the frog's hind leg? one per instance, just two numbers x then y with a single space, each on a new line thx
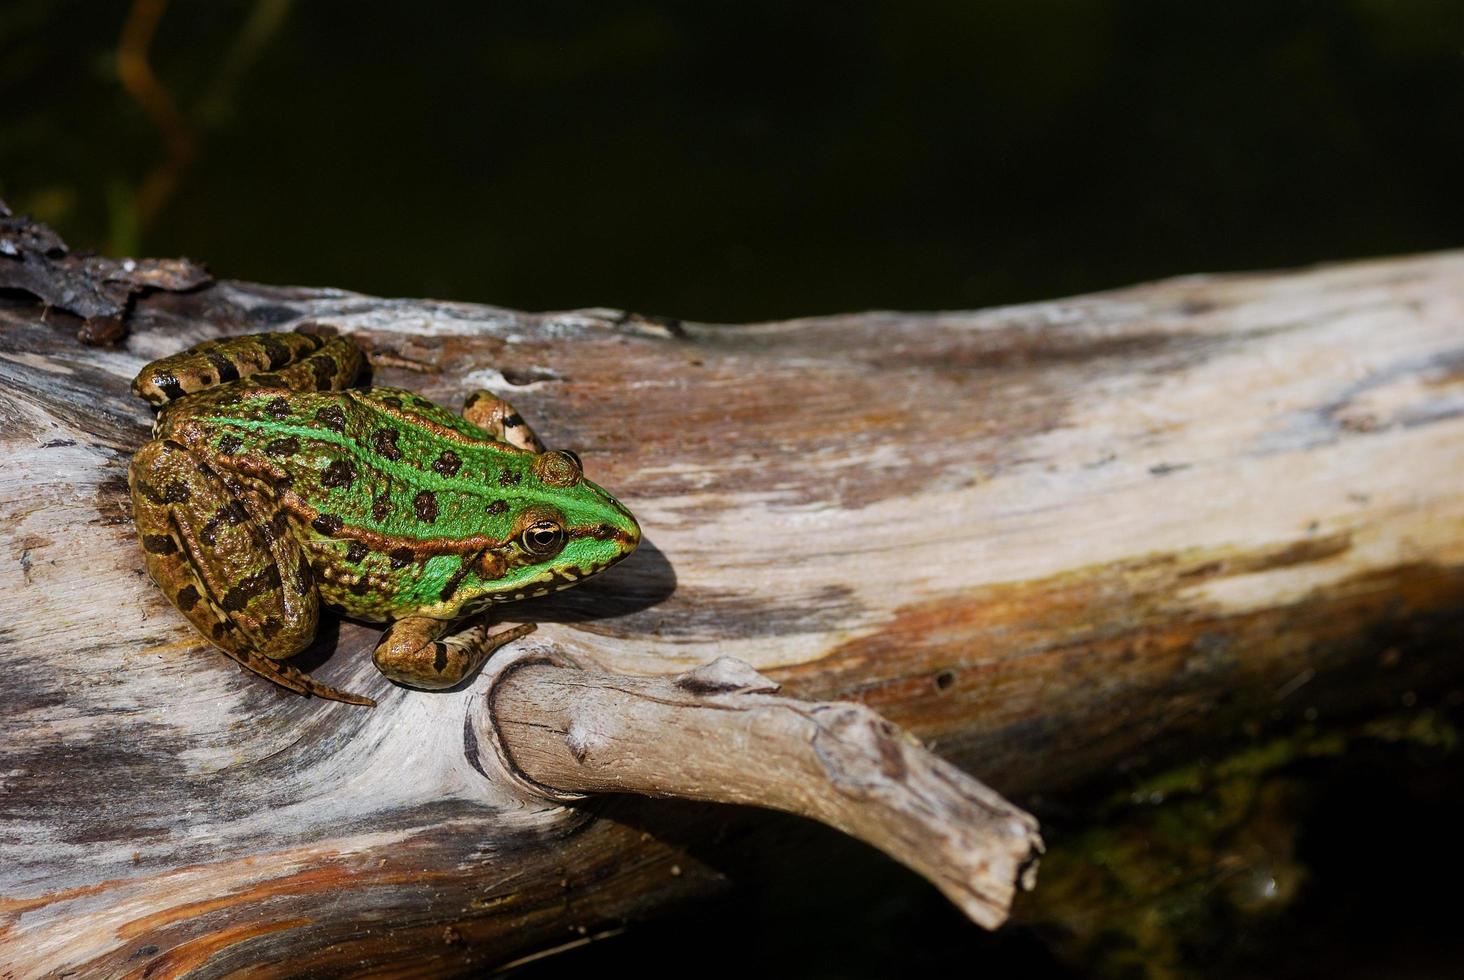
411 653
297 361
241 582
489 412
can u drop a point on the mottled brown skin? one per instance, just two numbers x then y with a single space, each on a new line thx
271 487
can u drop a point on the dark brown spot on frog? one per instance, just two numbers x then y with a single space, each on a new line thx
219 629
356 551
439 658
277 407
332 417
287 446
513 421
187 598
252 585
450 588
425 504
158 544
277 352
304 579
270 628
380 507
448 463
324 367
176 492
361 586
229 444
328 524
233 512
226 368
401 557
384 442
209 533
341 473
392 401
148 491
168 385
497 507
279 522
508 478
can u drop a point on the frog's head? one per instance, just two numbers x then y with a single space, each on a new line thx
562 529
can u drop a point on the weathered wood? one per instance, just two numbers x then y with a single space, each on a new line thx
718 734
1051 540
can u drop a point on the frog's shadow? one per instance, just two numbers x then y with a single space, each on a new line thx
643 580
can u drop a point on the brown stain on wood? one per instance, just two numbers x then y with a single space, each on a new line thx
195 953
314 880
1041 683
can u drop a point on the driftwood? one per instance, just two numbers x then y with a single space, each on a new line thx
1052 541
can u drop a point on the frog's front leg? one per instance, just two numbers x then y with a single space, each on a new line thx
489 412
411 652
239 578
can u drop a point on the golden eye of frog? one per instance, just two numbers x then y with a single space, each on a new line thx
271 486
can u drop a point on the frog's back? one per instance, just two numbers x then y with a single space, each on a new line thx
387 491
381 459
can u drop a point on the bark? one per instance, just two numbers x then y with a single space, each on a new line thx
1052 541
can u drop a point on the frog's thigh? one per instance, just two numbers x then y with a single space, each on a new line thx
297 361
244 586
414 652
487 411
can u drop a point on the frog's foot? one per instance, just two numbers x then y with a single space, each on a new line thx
489 412
236 578
410 652
293 678
297 361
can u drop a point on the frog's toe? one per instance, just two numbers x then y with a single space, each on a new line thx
410 652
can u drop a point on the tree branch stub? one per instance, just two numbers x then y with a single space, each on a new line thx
717 734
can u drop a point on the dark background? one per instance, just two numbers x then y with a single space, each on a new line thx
730 161
744 160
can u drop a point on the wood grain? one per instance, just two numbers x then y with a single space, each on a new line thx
1055 541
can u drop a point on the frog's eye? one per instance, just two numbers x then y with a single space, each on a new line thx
542 538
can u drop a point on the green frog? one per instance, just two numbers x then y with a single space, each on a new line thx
271 487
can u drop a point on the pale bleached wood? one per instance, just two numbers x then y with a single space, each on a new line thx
1053 541
718 734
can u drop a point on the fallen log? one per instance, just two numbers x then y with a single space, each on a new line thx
1052 541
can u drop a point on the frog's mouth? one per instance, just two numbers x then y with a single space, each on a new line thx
588 551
